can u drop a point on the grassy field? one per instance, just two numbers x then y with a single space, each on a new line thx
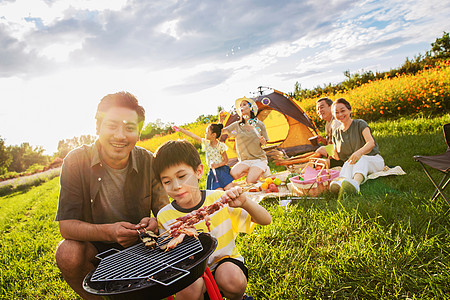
391 242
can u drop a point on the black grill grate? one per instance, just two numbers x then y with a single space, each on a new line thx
138 262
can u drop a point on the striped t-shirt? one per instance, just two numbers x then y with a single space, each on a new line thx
225 225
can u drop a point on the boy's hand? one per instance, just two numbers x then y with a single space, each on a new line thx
237 198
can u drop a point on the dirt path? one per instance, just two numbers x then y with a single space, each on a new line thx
20 180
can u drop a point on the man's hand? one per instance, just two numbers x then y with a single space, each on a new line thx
149 224
322 140
124 233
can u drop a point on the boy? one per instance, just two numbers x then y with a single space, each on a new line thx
177 164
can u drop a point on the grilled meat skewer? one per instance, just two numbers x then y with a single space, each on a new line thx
148 238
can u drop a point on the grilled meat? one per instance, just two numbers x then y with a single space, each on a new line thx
149 239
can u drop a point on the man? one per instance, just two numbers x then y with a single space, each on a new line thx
323 109
108 191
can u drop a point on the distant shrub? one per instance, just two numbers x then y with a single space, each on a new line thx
9 175
35 168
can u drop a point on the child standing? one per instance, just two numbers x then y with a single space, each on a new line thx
178 166
219 177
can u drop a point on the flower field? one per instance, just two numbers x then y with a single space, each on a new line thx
425 93
196 128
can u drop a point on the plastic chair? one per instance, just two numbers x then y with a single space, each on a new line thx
211 286
441 163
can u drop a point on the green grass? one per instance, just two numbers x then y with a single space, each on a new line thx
391 242
28 237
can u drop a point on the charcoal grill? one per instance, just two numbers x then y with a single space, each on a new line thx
140 273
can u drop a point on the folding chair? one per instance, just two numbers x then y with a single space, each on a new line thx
439 162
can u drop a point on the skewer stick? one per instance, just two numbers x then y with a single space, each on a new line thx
174 222
165 239
164 233
244 189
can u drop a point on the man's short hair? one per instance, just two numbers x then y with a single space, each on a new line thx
120 99
326 99
173 153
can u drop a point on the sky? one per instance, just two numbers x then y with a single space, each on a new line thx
185 58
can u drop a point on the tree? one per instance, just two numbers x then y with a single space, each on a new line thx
441 47
158 127
24 156
5 157
65 146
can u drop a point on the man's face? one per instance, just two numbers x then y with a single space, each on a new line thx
118 134
324 110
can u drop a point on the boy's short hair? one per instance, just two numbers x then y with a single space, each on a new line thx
173 153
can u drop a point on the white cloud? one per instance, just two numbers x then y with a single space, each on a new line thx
184 58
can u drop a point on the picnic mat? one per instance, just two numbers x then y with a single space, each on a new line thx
387 171
289 190
283 191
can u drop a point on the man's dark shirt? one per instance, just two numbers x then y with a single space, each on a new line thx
81 177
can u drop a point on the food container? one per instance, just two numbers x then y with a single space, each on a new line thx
312 181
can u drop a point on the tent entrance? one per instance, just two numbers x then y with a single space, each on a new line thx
277 125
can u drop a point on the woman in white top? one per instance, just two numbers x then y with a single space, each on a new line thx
250 134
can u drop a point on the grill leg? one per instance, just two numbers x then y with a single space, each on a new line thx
211 286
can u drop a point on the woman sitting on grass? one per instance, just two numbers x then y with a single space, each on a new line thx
355 145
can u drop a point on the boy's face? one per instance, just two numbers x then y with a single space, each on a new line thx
181 184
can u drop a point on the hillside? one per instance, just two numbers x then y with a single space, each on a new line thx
426 93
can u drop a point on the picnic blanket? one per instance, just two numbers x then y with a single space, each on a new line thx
387 171
290 191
